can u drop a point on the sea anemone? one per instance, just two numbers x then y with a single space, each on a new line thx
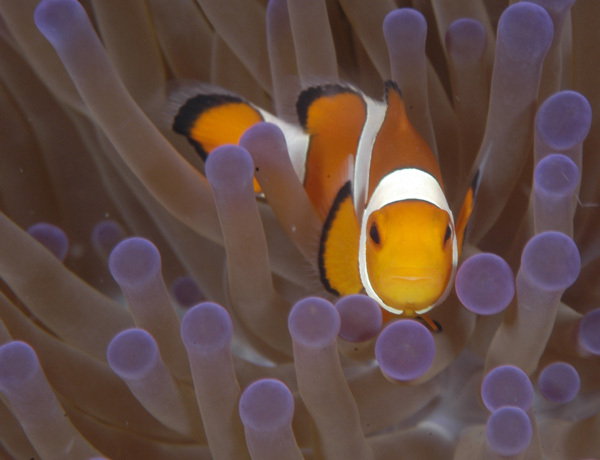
153 307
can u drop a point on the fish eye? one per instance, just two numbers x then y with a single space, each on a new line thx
374 233
448 234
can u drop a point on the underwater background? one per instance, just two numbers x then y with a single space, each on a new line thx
152 309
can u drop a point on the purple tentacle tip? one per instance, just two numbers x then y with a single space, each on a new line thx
563 120
206 328
132 353
485 284
50 15
506 386
134 262
404 24
508 431
267 406
361 318
559 382
106 235
18 364
263 136
466 39
186 292
556 175
556 6
551 261
589 332
405 350
229 168
525 32
52 238
314 322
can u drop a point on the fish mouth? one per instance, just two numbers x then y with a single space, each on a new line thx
410 289
418 275
411 278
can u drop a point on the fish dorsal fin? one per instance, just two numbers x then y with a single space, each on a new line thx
333 116
338 250
398 145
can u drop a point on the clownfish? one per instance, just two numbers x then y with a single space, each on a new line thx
388 229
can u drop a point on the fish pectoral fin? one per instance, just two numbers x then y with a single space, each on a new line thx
466 210
431 323
338 250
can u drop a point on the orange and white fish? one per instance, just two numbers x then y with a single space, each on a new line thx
388 228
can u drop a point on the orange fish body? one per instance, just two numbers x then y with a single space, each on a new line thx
388 228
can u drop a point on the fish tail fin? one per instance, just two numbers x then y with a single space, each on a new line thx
209 118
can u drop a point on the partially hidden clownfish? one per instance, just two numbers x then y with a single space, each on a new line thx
387 230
